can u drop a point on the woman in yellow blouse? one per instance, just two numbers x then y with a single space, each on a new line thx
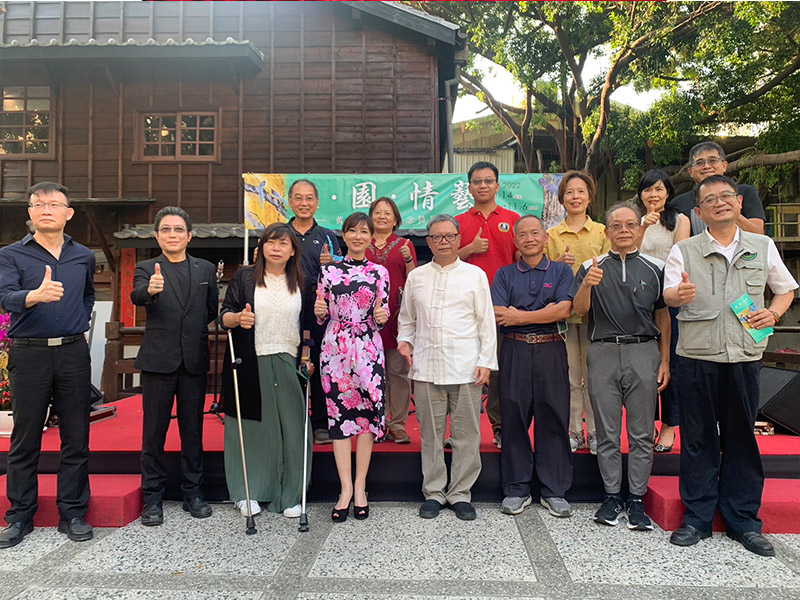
575 240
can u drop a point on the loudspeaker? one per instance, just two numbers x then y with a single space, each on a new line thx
779 398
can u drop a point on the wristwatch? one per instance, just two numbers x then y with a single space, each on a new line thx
777 316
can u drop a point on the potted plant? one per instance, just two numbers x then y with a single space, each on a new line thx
6 416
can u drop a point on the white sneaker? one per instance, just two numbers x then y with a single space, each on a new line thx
254 507
292 512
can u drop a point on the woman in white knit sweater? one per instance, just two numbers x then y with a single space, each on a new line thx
262 307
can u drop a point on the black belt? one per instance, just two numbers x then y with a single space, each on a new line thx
628 339
534 338
47 342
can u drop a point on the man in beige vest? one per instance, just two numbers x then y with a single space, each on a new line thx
719 363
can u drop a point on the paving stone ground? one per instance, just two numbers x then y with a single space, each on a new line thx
394 555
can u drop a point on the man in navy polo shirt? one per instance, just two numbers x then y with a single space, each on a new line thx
530 298
46 283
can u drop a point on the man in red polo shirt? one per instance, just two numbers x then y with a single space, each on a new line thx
487 241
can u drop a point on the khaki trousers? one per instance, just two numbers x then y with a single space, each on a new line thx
399 388
579 403
463 404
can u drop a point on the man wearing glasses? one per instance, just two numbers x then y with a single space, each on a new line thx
718 373
706 159
179 293
628 359
446 332
487 241
46 285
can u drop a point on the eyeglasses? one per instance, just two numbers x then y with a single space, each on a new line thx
616 227
702 162
490 181
179 230
726 197
437 239
50 205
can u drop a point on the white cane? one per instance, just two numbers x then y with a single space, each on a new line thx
303 526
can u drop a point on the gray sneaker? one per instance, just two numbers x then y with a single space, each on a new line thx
513 505
591 441
575 440
558 507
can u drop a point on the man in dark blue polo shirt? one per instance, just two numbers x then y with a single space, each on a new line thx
46 286
530 298
318 246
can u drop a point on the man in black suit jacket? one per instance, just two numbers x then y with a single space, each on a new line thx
179 293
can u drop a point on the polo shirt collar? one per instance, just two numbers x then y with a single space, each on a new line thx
29 238
542 266
563 227
307 233
475 211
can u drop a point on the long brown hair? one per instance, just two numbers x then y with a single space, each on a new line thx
294 272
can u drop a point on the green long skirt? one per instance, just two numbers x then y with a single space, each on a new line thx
274 445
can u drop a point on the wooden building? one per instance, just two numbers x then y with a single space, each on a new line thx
138 105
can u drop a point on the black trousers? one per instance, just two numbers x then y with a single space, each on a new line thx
159 391
319 405
720 467
534 386
37 375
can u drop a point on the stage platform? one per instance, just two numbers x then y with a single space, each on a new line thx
395 473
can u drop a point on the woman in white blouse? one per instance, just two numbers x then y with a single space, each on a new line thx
262 308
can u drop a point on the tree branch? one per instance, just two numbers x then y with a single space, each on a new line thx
764 160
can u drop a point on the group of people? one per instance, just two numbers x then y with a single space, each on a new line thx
563 328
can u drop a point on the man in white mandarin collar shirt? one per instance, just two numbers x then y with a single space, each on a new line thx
446 331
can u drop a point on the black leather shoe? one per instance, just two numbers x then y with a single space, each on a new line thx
686 535
13 534
464 511
430 509
197 507
753 541
152 515
76 529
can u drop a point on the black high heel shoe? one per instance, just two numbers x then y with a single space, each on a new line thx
339 515
361 512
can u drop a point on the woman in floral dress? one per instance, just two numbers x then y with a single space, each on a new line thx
351 296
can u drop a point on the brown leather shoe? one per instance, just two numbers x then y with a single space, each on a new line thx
401 437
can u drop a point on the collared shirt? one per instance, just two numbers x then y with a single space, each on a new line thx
779 279
752 207
532 288
22 268
498 229
624 301
312 243
447 316
589 241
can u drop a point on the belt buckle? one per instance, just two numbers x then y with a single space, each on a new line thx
531 338
55 341
618 338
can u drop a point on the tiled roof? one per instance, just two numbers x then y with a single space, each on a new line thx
201 230
130 43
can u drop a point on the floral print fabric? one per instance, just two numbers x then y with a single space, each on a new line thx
351 359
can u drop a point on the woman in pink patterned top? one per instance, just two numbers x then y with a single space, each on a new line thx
351 296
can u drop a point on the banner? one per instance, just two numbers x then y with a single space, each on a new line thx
418 196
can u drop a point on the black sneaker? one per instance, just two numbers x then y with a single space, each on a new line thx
430 509
637 519
610 510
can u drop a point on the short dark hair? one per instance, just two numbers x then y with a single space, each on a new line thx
309 182
398 218
625 204
483 165
46 187
713 179
585 177
356 219
669 216
523 217
706 147
173 210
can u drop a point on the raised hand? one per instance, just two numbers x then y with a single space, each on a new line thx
406 350
405 251
568 257
479 245
325 257
686 289
156 282
247 318
594 275
380 314
49 290
320 306
651 218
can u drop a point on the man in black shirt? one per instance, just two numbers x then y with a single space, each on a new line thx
708 158
179 293
318 246
46 286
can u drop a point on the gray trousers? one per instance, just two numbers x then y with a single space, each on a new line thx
463 404
624 375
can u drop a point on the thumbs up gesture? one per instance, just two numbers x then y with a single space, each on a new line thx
156 282
594 275
568 257
405 251
686 289
320 306
247 318
651 218
479 245
325 257
49 290
380 314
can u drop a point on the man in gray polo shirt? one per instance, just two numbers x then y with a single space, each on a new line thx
628 359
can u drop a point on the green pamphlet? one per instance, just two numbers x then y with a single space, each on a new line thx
744 307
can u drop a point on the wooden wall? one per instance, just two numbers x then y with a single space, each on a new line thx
339 93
